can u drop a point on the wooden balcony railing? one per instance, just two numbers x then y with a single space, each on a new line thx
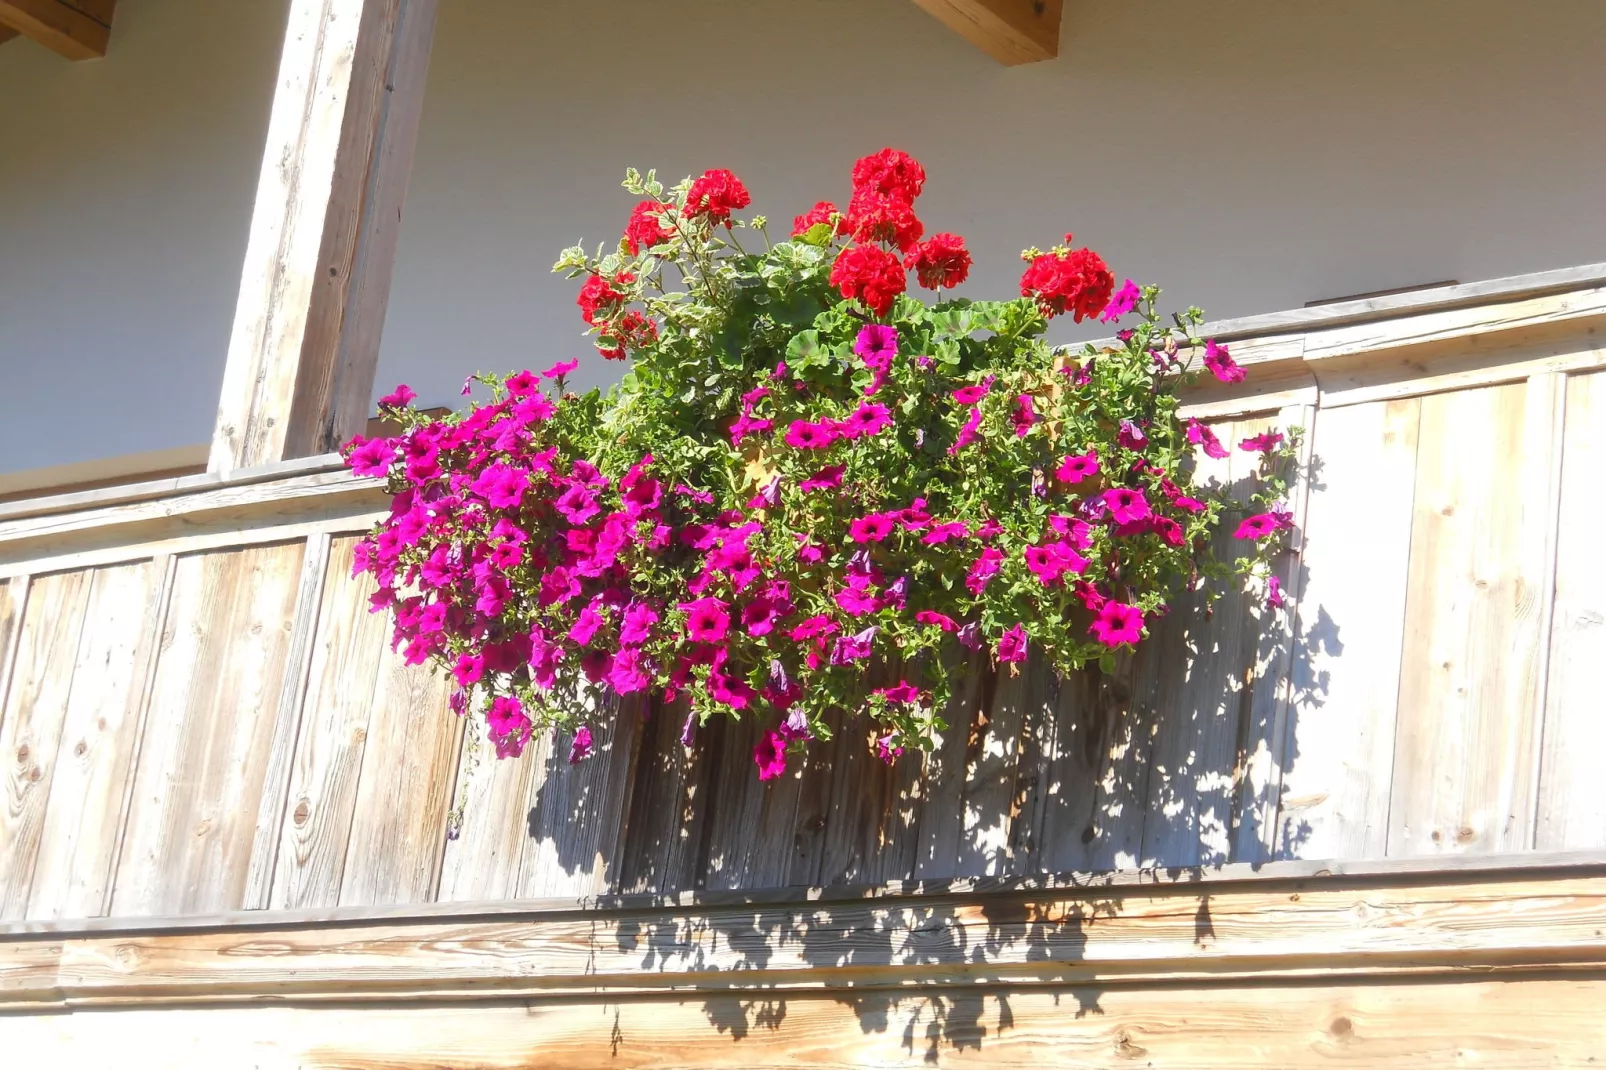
210 747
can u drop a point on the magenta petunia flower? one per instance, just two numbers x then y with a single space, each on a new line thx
872 528
826 478
983 569
400 397
770 755
469 669
1261 443
637 623
876 345
627 674
1079 533
804 435
744 425
1012 644
582 745
868 419
941 533
1024 416
812 628
1221 364
577 505
1117 624
372 458
560 369
707 619
586 626
1258 526
1122 301
939 620
501 485
856 602
970 395
1051 560
1274 593
1078 466
1168 530
902 691
1131 436
505 716
1126 504
522 383
967 433
853 647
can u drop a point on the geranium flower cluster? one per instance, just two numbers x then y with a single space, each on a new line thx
811 492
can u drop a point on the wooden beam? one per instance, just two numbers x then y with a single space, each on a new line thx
318 261
77 29
1010 31
1328 928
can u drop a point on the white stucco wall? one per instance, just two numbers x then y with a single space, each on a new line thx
125 197
1298 150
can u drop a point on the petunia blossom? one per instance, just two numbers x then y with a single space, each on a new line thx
1078 466
707 619
939 620
983 569
1221 364
872 528
1012 644
1201 435
806 435
1263 443
869 418
1024 415
399 398
770 755
1117 624
1122 301
1258 526
582 745
826 478
1126 504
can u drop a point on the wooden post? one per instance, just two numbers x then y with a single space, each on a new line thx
323 236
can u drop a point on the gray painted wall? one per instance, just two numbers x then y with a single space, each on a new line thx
1248 156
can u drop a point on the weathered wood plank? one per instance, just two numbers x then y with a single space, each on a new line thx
82 823
1572 790
1464 752
75 29
939 815
577 811
1339 756
1195 702
1498 1024
663 837
31 724
316 817
1174 933
213 706
491 806
322 241
398 824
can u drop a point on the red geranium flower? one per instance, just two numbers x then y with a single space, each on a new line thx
820 213
630 331
598 295
645 228
884 217
1077 282
941 262
890 172
873 275
715 195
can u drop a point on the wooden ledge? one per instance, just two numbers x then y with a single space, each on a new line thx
1328 927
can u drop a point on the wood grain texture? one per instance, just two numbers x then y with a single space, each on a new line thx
398 826
1464 752
207 741
321 245
319 806
100 735
1339 755
31 724
75 29
1010 31
491 803
1572 791
1273 931
1502 1025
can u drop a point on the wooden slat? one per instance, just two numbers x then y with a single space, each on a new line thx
100 734
1010 31
31 724
214 702
1339 755
576 812
76 29
939 815
992 760
398 824
1464 755
323 231
1192 685
1496 1024
1572 791
668 804
318 809
492 801
1321 928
